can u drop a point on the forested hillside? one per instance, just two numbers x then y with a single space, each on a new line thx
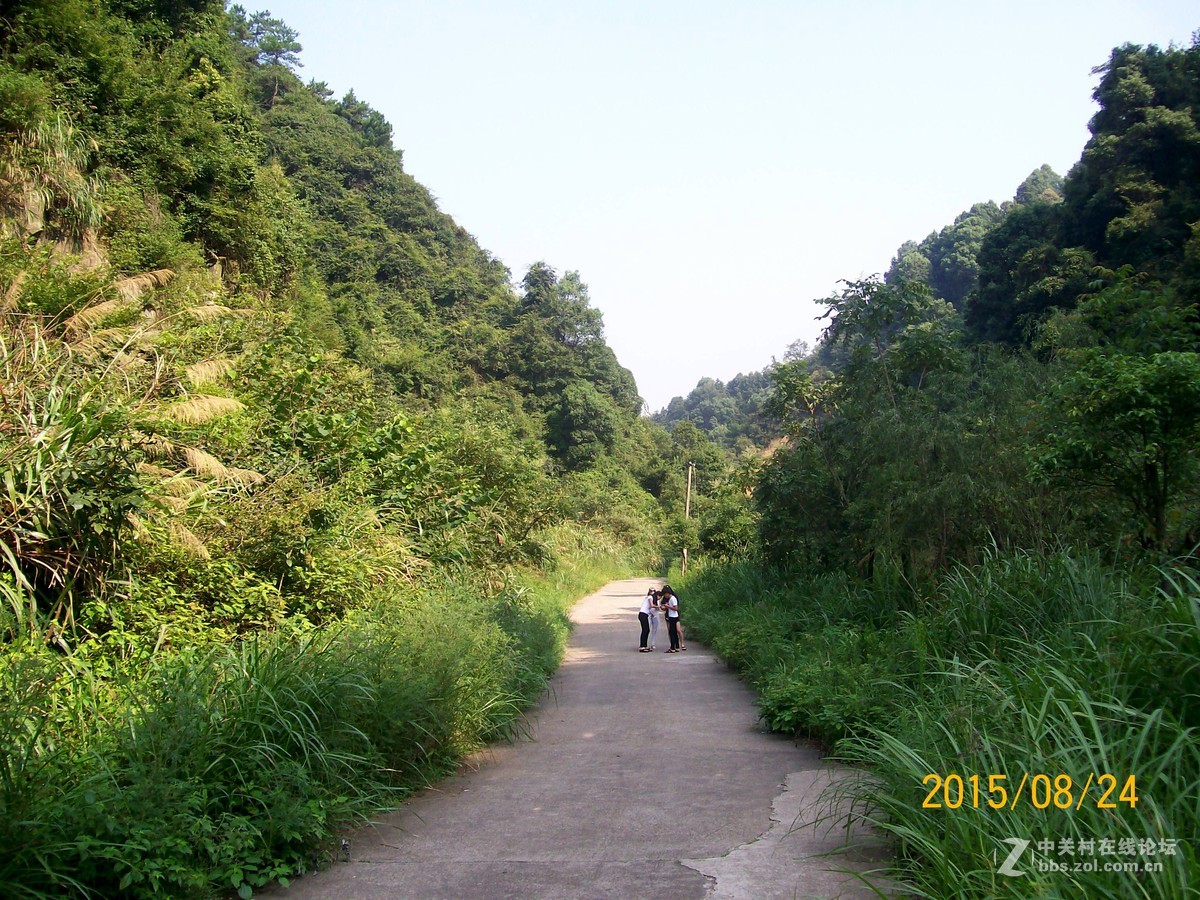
972 565
297 483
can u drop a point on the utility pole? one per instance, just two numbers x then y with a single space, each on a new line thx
687 513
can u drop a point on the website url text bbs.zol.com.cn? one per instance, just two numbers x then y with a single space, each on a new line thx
1135 867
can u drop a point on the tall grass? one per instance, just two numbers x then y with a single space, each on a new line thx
1025 665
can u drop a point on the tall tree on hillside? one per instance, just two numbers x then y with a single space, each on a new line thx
954 268
731 414
367 121
948 261
909 265
540 285
275 42
274 45
899 454
561 306
1132 200
176 15
558 339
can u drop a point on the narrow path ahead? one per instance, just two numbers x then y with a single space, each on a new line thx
645 775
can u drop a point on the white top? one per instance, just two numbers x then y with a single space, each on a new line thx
645 605
673 607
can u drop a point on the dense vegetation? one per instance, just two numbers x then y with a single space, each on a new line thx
975 551
296 485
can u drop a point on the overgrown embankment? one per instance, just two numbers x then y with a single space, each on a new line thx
1013 676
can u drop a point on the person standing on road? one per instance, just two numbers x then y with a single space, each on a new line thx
654 611
644 615
671 604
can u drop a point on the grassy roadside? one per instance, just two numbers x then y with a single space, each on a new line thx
1027 668
228 768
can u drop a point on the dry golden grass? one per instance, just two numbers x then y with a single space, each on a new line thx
154 445
134 286
88 316
209 370
171 483
201 409
94 343
206 465
186 538
154 471
13 294
247 477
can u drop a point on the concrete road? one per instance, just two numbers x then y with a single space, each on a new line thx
643 775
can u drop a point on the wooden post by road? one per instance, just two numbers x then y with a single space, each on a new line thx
687 514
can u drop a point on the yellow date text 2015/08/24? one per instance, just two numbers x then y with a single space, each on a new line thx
1041 790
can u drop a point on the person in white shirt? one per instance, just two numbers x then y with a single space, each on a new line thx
671 602
644 615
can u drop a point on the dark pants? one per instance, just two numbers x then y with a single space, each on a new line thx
673 631
645 623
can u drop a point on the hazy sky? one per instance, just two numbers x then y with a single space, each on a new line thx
712 169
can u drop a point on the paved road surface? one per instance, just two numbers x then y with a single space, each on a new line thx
644 775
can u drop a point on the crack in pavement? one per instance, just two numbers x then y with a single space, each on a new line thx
801 854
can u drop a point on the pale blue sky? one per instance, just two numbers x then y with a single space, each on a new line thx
711 169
